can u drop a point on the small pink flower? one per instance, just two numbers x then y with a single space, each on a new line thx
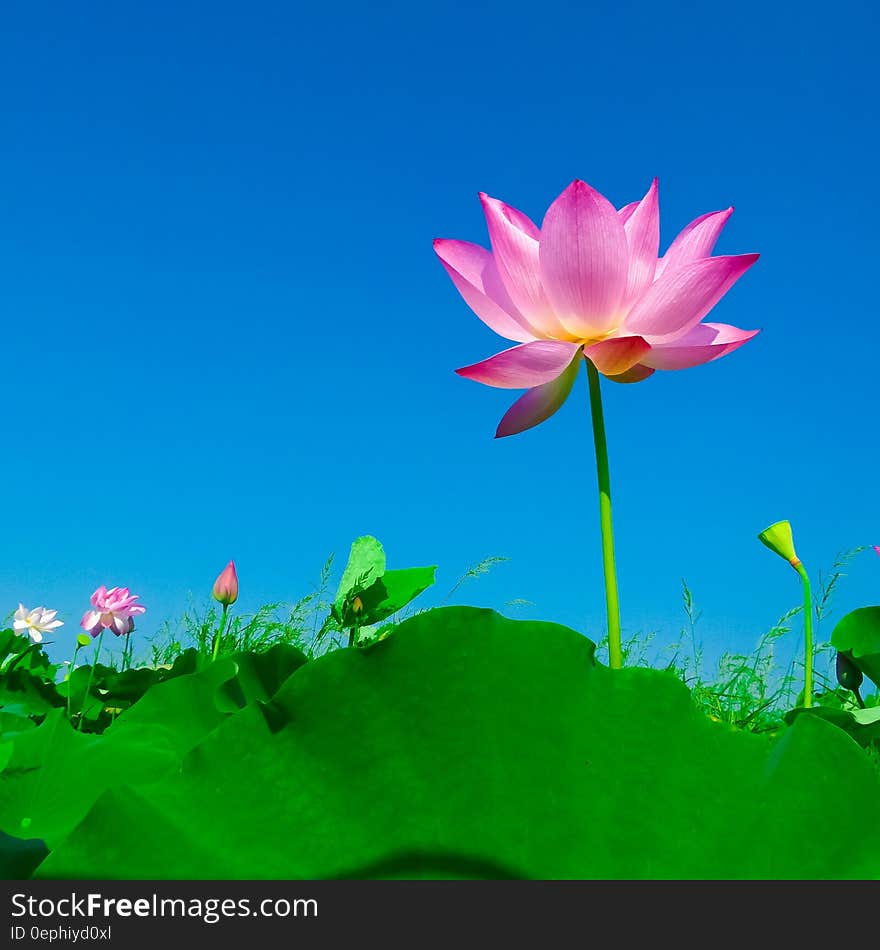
226 586
115 610
877 549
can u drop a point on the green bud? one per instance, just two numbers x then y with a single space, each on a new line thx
779 539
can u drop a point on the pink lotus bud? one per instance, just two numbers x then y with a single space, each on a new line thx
226 586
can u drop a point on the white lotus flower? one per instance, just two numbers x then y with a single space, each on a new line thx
36 622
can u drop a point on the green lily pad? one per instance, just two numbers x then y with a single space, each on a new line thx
858 636
471 745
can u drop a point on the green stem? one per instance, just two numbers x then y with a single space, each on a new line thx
615 652
91 677
219 636
69 674
808 636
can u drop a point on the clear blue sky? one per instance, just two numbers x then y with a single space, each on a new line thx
226 334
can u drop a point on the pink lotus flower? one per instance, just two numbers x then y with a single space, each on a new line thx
115 610
226 586
589 283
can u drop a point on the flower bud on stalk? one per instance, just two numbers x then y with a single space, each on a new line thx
226 586
779 539
225 592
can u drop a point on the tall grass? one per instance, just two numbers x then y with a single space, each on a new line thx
750 691
302 624
307 623
753 691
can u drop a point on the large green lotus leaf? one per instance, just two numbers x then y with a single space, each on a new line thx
188 707
182 708
14 718
858 635
862 724
55 774
258 676
114 689
470 745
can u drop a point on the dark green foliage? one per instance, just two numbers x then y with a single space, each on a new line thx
19 857
27 678
848 674
858 635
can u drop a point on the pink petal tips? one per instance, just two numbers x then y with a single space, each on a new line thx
584 260
522 367
538 404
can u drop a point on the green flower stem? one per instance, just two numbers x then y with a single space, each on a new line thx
808 635
91 677
615 652
69 674
219 636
